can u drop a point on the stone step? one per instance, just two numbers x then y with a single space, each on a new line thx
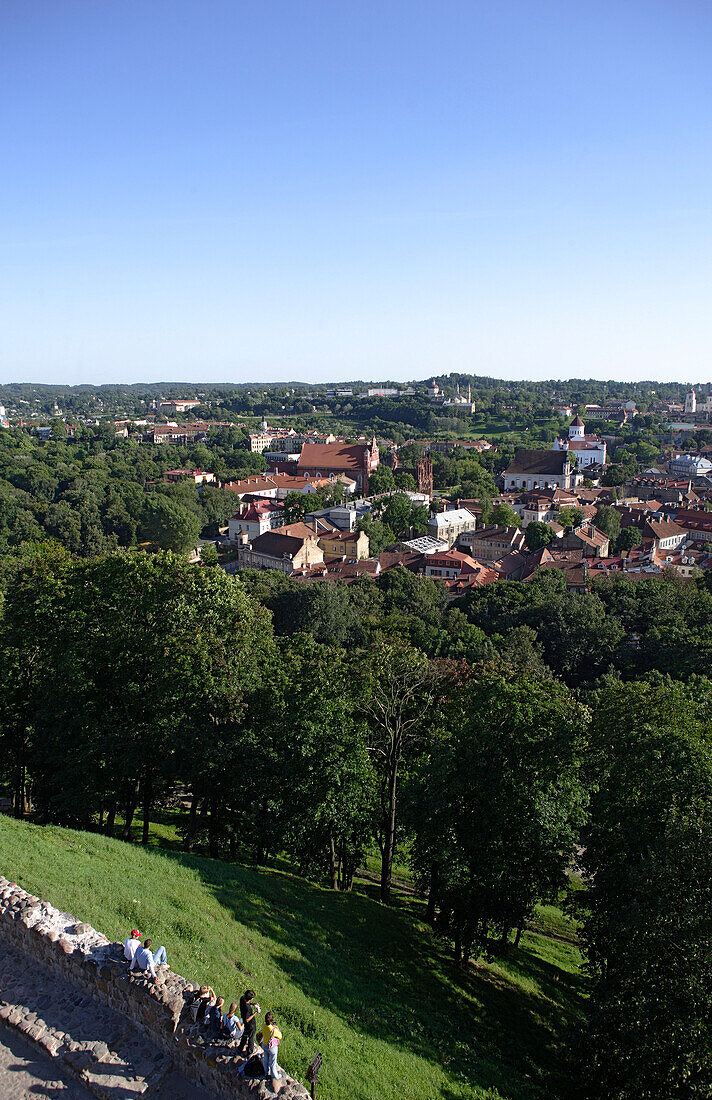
103 1050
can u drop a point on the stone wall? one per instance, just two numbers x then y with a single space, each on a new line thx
89 961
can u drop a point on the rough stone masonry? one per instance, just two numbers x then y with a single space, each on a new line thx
79 955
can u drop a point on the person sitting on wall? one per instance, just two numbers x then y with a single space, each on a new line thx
206 997
145 960
213 1016
231 1023
131 945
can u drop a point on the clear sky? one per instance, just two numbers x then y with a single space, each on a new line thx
328 189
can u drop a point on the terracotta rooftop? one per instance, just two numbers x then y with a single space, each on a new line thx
334 456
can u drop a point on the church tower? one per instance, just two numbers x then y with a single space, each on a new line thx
424 470
577 429
691 403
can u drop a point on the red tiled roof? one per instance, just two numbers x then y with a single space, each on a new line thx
333 456
663 529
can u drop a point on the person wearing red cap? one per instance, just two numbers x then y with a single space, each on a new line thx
131 944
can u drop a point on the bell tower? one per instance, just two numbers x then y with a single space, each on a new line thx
424 470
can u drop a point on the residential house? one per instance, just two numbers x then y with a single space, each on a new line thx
339 570
591 542
491 543
570 563
684 561
255 519
453 563
274 550
200 477
178 405
279 486
351 545
260 442
664 534
449 525
689 465
181 434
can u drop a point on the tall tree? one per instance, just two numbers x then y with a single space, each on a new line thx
505 801
401 696
647 907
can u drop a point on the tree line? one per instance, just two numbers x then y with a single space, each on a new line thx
97 493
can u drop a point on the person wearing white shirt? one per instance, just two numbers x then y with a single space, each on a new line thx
131 944
145 960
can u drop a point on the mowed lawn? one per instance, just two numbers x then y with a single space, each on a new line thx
370 987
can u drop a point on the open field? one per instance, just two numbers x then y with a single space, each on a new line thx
371 987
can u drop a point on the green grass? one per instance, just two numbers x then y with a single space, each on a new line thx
370 987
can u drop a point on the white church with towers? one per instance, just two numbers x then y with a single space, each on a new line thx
589 450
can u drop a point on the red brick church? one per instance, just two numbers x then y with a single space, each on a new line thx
356 460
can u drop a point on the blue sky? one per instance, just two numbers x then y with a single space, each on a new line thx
309 189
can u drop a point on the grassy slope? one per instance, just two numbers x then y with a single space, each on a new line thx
370 987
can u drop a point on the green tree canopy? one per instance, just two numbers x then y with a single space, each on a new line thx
170 525
537 534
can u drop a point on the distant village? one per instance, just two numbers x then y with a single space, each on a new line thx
659 521
668 506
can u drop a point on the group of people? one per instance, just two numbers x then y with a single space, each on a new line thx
237 1026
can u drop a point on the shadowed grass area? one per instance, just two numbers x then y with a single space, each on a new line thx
370 987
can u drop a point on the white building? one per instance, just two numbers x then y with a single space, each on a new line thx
690 403
260 441
459 401
588 450
255 519
448 526
689 465
539 469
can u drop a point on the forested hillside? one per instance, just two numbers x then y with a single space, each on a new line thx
372 989
498 748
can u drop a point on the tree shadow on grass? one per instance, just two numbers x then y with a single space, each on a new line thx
385 973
